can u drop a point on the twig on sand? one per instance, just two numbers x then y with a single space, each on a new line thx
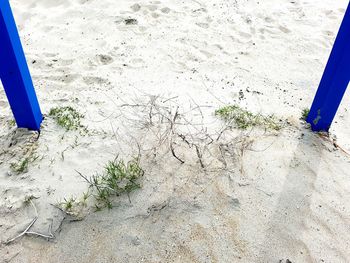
23 233
183 137
49 236
84 177
175 97
199 154
27 232
172 129
174 154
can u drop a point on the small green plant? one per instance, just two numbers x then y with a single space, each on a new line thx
67 204
67 117
305 114
28 199
21 166
12 123
26 157
117 178
73 206
86 195
245 119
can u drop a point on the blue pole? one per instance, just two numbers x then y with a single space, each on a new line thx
334 82
14 73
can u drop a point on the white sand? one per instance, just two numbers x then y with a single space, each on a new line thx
262 197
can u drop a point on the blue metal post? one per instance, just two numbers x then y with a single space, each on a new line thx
334 81
14 73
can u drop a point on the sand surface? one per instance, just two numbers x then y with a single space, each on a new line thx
240 196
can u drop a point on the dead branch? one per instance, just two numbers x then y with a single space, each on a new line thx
174 154
84 177
183 137
199 154
27 232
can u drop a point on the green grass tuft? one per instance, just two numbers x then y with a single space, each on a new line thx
245 119
12 123
21 166
305 114
67 117
117 178
68 203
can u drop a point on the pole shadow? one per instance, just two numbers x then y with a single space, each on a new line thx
283 240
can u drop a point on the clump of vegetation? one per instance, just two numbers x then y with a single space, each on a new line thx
130 21
74 206
305 114
28 198
12 123
245 119
67 204
67 117
117 178
21 166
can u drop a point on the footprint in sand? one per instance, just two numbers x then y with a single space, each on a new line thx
203 25
63 62
91 80
152 8
50 55
47 29
155 15
245 35
105 59
67 78
54 3
331 14
269 20
284 29
135 7
165 10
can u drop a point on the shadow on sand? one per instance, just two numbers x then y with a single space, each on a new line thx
283 242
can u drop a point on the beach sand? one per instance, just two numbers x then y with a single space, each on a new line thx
148 77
